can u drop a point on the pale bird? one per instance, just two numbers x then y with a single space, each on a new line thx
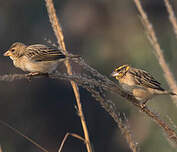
36 58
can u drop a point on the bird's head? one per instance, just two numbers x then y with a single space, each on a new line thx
119 72
16 50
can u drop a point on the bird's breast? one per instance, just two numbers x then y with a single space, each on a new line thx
20 63
127 81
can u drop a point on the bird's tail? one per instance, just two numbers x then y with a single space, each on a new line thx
169 93
172 93
165 92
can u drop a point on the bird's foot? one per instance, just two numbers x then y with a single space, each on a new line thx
30 75
142 105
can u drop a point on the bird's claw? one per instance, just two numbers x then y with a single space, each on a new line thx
30 75
143 105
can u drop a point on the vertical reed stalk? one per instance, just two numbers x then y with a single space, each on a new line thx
59 34
157 50
172 17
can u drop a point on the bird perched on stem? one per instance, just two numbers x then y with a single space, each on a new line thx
37 58
139 83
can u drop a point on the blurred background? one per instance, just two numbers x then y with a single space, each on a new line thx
107 34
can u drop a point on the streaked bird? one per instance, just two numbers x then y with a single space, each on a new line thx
37 58
139 83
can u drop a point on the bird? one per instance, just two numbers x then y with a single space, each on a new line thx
37 58
139 83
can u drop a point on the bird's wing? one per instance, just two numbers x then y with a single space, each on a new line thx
39 52
147 80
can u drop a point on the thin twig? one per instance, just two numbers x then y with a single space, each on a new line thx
21 134
158 51
66 136
59 34
172 17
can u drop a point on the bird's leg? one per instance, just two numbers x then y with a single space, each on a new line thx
31 74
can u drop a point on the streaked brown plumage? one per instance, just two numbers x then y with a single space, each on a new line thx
139 83
36 58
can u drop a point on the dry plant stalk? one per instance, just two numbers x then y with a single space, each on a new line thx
35 143
21 134
110 107
158 51
66 136
110 87
87 84
98 85
128 134
0 149
59 34
172 17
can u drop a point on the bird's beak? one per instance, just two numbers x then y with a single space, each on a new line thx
114 74
7 53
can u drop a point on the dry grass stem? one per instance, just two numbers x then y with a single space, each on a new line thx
59 34
98 92
171 134
0 148
124 128
172 123
171 16
65 138
91 85
158 51
129 136
108 85
21 134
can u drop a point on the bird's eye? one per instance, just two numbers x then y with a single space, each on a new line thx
12 50
120 72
